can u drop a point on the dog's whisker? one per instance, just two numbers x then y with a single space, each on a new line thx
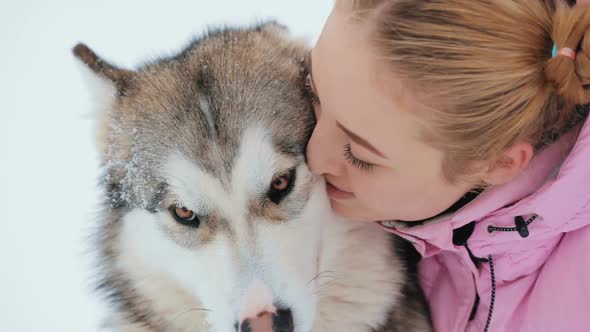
321 275
188 311
319 288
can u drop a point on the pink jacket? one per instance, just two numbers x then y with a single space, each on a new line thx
517 258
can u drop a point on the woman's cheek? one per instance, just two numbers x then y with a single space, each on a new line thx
370 189
378 189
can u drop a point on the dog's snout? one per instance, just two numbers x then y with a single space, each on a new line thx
281 321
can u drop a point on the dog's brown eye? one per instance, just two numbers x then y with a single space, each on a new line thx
184 213
184 216
281 183
281 186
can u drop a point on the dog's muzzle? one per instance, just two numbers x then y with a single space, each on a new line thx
281 321
259 313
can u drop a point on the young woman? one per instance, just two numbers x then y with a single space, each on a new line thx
461 125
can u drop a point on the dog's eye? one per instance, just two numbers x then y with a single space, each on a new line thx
281 186
281 183
184 216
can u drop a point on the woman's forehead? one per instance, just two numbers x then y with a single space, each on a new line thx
358 89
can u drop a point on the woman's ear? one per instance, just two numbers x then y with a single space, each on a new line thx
510 164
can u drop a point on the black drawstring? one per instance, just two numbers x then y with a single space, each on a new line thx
460 237
520 223
490 261
521 226
489 320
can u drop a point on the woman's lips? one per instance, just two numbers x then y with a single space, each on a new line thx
337 194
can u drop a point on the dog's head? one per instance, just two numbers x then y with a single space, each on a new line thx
204 159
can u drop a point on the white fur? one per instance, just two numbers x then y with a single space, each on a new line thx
255 164
358 271
231 265
102 90
185 179
208 273
102 94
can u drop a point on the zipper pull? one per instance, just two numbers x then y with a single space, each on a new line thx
521 226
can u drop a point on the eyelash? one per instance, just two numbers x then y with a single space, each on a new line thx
354 161
310 94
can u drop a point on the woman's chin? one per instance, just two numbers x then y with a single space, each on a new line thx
350 211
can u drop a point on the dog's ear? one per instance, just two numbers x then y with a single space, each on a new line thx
119 78
105 83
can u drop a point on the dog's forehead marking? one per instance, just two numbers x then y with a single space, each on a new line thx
185 178
252 171
254 166
205 108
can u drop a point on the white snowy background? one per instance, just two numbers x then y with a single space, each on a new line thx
48 164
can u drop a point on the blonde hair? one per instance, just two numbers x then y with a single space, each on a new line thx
487 69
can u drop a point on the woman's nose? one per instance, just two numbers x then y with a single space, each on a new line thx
325 149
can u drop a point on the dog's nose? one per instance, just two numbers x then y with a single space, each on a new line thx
281 321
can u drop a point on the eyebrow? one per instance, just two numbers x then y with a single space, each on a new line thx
356 138
361 141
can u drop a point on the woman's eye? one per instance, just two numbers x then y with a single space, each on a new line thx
354 161
281 186
184 216
310 91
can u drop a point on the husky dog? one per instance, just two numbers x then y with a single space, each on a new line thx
212 220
